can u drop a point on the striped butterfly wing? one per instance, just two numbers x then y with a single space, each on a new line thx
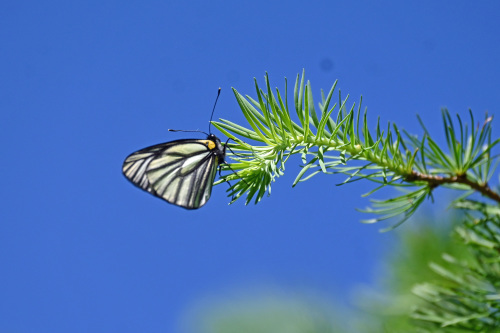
181 172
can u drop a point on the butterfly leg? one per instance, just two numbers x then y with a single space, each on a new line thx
227 181
232 152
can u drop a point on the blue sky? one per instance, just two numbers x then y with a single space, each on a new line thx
83 84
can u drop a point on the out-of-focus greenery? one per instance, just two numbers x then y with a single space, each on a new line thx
466 298
384 307
266 311
439 278
387 306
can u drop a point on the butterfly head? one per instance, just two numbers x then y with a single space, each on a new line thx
216 146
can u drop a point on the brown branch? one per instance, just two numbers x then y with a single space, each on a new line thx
435 181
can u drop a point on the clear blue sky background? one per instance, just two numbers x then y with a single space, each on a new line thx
83 84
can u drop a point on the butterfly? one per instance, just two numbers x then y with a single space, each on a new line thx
181 172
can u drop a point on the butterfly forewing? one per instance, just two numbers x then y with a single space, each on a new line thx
181 172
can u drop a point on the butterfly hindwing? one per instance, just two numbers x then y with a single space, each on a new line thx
136 164
181 172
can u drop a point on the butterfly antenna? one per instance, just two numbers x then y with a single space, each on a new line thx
210 123
174 130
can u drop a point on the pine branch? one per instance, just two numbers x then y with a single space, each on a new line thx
343 144
435 181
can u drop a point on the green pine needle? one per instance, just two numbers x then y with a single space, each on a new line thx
329 143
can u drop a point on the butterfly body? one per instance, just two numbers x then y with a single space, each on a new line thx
180 172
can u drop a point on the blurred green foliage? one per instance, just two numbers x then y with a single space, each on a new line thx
266 311
383 307
388 305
